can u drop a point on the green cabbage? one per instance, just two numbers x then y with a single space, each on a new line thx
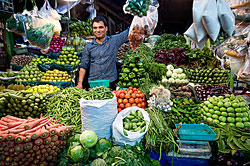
98 162
88 138
76 154
102 146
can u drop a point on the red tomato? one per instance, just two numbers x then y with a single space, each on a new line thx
137 95
141 95
117 94
143 99
140 100
133 95
131 100
136 100
139 105
117 104
135 92
121 106
134 89
133 104
139 92
119 110
125 101
122 95
120 101
130 88
127 105
130 91
127 96
143 104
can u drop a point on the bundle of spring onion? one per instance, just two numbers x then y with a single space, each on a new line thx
31 141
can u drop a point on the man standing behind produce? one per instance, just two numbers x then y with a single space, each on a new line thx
99 56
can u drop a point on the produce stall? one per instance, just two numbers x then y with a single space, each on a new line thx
176 100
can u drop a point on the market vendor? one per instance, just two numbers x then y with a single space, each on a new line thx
99 56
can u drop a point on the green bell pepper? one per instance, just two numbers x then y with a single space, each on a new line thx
130 84
135 70
131 65
126 79
134 80
126 70
142 70
142 80
136 85
124 84
132 75
139 64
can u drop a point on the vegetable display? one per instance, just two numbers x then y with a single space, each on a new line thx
139 32
31 141
50 89
65 106
8 74
130 97
132 73
68 57
18 87
56 76
99 93
41 36
183 91
22 103
123 51
56 44
204 91
43 60
137 7
229 110
29 73
231 138
134 122
175 76
21 59
208 76
160 98
82 28
176 56
184 110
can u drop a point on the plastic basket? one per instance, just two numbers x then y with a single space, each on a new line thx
97 83
17 67
21 50
44 67
65 67
196 132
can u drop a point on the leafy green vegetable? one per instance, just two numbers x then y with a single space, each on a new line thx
102 146
78 153
88 138
98 162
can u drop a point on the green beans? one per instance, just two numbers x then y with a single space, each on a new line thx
99 93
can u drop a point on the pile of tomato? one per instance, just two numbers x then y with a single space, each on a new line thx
130 97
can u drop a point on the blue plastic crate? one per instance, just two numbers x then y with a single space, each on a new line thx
97 83
196 132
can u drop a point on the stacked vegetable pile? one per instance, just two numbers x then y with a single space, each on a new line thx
130 97
21 59
175 76
98 93
29 73
209 76
56 44
18 87
22 103
134 122
176 56
8 74
2 87
123 51
31 141
186 91
133 72
184 110
65 106
56 76
231 138
160 98
74 42
68 57
204 91
229 110
82 28
137 7
43 60
220 39
50 89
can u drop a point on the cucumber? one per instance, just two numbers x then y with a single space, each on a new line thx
139 115
125 133
137 129
130 126
126 126
132 112
130 117
134 126
134 120
143 129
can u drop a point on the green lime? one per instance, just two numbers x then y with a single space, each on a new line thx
216 121
222 119
217 112
223 109
246 124
230 109
216 108
235 105
238 119
230 119
223 113
214 116
220 104
209 119
238 109
223 123
240 125
211 111
208 114
207 103
239 114
245 119
231 124
231 114
227 104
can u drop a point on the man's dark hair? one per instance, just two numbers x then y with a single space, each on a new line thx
100 18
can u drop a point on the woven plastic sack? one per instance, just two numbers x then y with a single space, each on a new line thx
98 115
210 20
133 137
142 27
226 17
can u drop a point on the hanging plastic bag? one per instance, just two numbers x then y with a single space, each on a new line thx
98 115
92 11
226 17
210 20
142 27
198 9
128 138
41 36
137 8
244 73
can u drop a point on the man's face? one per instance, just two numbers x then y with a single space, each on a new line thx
99 30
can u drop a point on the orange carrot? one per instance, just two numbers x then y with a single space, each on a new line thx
33 124
7 120
27 138
14 124
14 118
3 137
3 123
11 137
37 127
15 131
44 133
36 134
19 139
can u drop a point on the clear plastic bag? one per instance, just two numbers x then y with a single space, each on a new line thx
234 4
244 73
137 7
41 36
143 27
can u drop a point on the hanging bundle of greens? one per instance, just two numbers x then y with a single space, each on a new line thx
19 23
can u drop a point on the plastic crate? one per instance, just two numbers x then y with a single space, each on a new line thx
97 83
196 132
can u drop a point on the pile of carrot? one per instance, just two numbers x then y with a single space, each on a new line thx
33 142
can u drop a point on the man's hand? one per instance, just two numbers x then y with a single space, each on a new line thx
79 85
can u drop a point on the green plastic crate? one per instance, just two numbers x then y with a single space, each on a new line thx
196 132
97 83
